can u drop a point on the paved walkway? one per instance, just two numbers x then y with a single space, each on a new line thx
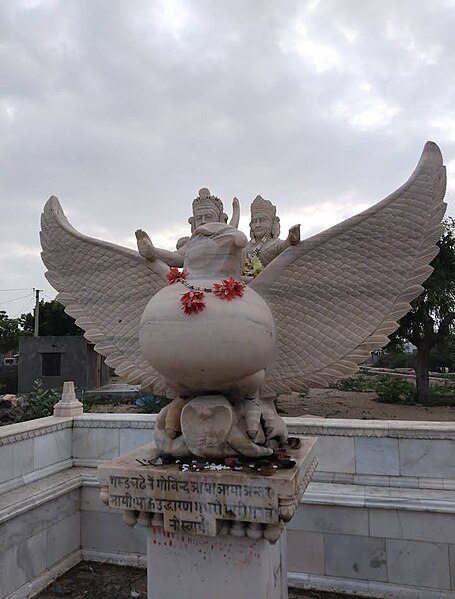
91 580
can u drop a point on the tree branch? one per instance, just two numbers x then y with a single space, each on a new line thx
443 330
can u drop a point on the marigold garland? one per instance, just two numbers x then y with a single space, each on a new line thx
193 301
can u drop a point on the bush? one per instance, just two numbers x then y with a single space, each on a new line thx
41 401
389 389
442 395
152 404
395 390
359 384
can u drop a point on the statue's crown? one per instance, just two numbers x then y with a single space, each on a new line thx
261 206
206 200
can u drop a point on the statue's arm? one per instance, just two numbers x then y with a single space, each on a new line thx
171 258
148 251
267 254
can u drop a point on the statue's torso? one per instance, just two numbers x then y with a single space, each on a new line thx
214 256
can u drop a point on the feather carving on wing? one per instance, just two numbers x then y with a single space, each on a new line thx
338 295
105 287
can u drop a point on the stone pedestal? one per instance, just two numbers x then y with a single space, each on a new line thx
223 567
68 406
210 529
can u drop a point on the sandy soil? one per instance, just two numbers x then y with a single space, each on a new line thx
331 403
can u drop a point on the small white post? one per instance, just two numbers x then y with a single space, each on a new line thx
69 404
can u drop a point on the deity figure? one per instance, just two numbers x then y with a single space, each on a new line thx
207 208
219 346
265 244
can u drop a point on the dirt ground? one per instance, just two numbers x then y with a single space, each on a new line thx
91 580
331 403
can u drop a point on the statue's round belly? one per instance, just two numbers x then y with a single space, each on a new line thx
209 350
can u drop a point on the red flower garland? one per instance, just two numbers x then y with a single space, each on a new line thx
229 289
193 302
175 276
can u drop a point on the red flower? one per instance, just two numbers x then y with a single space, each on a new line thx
228 289
192 302
174 275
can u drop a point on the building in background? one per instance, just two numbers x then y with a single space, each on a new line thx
55 360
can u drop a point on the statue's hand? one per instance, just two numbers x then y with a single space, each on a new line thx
144 245
234 222
294 235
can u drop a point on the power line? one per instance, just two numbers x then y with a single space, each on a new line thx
25 309
17 289
16 299
48 297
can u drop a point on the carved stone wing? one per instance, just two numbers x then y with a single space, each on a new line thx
105 287
336 296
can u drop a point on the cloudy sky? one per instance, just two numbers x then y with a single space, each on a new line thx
124 109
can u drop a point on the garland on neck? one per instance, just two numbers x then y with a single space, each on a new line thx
193 301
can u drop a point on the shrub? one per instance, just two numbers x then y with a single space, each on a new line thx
395 390
389 389
442 395
41 401
152 404
359 383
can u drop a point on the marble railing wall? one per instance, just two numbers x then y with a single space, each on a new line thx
97 438
378 518
34 449
39 505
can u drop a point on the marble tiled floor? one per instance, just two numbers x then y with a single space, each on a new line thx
92 580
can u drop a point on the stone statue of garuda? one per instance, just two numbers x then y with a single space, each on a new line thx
223 348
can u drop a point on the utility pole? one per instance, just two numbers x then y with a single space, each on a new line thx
37 292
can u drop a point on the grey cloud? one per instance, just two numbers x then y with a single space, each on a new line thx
124 116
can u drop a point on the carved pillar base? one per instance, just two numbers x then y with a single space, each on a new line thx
212 530
201 567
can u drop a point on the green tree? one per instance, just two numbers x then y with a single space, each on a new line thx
9 333
429 323
53 320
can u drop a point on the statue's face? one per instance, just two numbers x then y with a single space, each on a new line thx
260 225
204 216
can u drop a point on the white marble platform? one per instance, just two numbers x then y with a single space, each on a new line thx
382 489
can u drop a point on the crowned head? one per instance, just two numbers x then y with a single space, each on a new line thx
264 224
206 209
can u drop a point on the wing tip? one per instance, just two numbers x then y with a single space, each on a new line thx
431 155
